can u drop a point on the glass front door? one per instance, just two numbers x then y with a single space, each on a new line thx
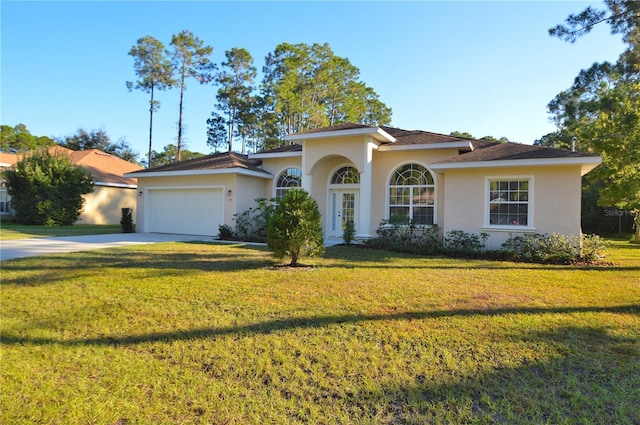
343 209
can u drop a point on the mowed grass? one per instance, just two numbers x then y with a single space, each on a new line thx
10 231
215 334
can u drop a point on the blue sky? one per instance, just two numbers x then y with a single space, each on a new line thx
488 68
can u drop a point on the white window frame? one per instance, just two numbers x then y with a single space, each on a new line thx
530 226
276 180
434 177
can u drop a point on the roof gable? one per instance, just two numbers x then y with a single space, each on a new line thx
218 161
104 167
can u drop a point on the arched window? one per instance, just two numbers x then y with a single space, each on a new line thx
291 177
346 175
412 194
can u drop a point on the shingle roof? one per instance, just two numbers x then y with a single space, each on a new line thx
216 161
282 149
419 137
337 127
511 151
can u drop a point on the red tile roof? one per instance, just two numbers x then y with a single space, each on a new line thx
104 167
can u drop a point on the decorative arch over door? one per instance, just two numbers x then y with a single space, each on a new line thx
344 191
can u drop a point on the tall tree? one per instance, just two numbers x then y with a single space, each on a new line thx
18 139
216 131
236 85
310 87
601 110
98 139
154 71
190 59
169 155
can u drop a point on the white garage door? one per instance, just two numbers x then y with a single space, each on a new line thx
185 211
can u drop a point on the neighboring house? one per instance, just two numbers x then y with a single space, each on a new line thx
367 174
7 160
112 191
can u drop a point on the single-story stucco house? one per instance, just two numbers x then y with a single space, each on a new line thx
367 174
112 191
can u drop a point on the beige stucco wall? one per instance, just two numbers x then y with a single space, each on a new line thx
352 148
244 189
556 201
323 157
275 166
386 162
104 205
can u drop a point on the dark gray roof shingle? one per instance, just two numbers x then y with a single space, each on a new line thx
217 161
511 151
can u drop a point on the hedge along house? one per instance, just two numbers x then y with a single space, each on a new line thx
366 174
112 191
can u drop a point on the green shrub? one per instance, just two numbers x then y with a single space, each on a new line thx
462 242
47 189
349 232
396 235
593 248
552 249
225 232
295 228
251 225
126 222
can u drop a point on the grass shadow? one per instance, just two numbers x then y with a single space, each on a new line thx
595 381
277 325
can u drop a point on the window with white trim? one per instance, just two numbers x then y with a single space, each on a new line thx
289 178
509 201
346 175
5 206
412 194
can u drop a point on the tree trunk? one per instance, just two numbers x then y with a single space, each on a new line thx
294 259
180 119
150 126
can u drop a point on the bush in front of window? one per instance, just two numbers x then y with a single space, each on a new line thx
251 225
555 248
459 241
396 235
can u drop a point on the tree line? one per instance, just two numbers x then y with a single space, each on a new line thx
303 87
18 139
600 113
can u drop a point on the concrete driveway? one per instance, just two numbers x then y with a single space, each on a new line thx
21 248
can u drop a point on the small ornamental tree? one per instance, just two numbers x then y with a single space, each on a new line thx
295 229
47 189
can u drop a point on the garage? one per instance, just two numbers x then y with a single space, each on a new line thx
186 211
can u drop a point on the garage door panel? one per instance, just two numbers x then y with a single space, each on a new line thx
185 211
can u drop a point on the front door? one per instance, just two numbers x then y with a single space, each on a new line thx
343 204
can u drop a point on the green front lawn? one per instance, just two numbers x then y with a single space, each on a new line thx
215 334
19 231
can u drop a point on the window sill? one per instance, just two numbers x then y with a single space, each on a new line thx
509 229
